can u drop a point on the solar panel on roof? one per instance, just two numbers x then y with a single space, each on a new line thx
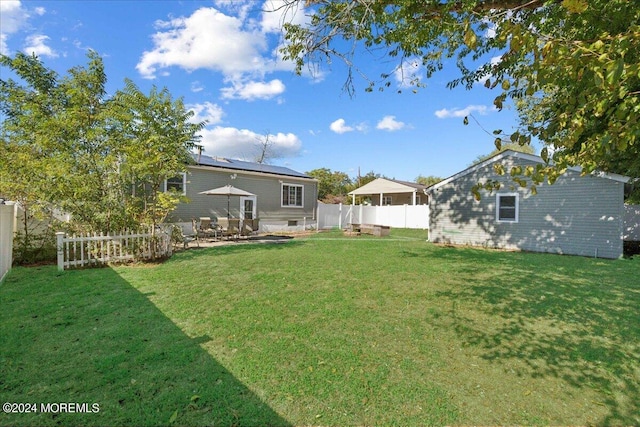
246 166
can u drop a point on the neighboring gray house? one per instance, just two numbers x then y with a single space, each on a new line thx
284 199
576 215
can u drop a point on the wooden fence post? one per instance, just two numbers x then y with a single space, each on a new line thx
60 249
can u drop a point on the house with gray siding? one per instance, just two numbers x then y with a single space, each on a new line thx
284 199
577 215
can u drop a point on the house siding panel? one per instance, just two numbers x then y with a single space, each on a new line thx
576 215
266 188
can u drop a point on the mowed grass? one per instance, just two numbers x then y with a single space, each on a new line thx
328 330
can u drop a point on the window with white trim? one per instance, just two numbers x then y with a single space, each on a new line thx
507 207
387 200
292 195
177 183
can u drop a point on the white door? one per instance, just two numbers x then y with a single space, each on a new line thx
248 207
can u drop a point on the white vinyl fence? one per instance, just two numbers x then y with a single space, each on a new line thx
405 216
6 237
631 223
94 250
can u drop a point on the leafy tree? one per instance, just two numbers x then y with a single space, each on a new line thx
365 179
52 149
333 185
428 180
66 147
156 139
580 57
22 113
528 149
535 109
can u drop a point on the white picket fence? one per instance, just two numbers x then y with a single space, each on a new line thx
404 216
99 249
6 237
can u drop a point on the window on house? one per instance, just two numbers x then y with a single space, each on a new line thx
387 200
507 207
292 195
177 183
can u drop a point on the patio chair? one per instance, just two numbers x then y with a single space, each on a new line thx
179 235
249 227
229 227
206 229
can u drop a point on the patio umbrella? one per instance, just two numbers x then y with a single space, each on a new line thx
228 190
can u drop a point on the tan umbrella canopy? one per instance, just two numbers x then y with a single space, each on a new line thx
227 190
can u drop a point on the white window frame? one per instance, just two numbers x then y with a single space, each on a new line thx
517 207
387 200
289 205
184 183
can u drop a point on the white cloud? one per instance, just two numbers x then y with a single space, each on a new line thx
390 124
339 126
40 11
4 49
409 73
490 33
12 16
277 12
211 113
196 87
495 60
206 39
36 44
446 113
12 19
228 39
235 46
253 90
244 144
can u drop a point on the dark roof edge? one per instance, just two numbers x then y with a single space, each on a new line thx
519 155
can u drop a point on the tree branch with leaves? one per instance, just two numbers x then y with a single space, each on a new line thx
579 58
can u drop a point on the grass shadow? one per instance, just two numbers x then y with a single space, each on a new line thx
571 318
89 337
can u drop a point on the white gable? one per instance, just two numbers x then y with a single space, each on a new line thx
381 185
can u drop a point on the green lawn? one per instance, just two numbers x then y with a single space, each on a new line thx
328 331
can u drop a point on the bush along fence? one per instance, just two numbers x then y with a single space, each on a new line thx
99 249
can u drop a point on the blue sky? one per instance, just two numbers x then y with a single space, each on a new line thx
222 58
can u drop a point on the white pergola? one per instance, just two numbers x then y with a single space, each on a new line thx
381 186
